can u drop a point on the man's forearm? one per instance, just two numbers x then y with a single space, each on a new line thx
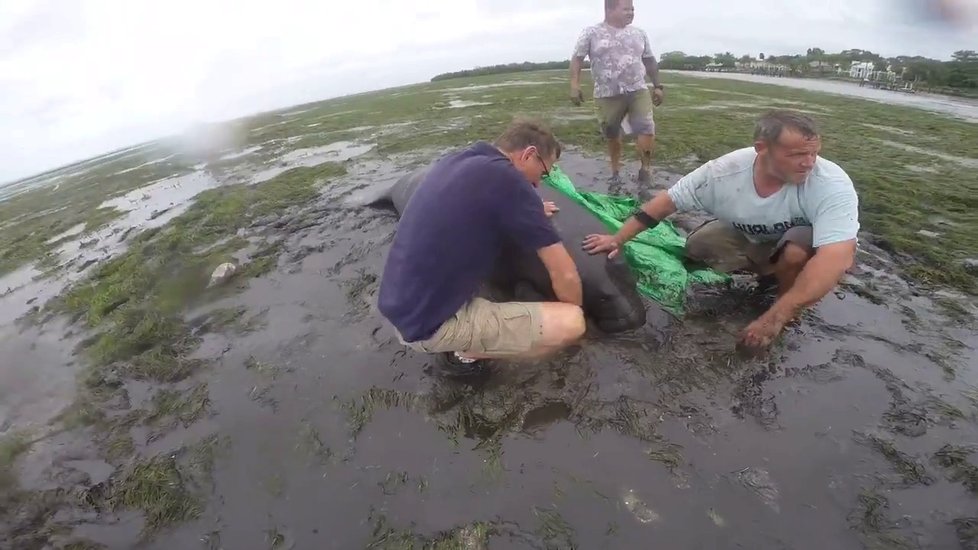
820 275
652 68
567 288
659 208
575 72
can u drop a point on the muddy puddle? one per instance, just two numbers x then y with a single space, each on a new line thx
460 104
333 435
962 161
966 109
506 84
334 152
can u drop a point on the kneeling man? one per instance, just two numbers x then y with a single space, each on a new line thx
449 237
779 210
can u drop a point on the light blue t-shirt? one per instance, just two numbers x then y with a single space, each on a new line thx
724 187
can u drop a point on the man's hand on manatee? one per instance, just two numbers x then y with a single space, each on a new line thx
549 208
596 244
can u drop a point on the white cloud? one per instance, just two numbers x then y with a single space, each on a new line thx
80 78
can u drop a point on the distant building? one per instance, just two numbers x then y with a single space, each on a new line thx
862 70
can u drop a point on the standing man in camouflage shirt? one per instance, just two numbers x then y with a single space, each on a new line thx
620 56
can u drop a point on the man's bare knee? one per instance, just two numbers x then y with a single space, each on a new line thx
563 324
573 325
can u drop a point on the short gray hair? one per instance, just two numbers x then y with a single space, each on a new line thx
769 127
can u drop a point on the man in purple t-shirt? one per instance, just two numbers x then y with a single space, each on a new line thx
451 233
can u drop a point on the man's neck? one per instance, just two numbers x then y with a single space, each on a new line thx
765 184
613 24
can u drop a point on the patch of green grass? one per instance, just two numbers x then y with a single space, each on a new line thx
669 454
954 460
875 529
909 469
84 545
553 528
156 487
166 488
360 410
184 407
474 536
955 310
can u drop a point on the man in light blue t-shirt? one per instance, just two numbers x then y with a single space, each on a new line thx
779 210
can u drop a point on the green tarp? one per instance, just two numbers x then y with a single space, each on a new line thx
655 255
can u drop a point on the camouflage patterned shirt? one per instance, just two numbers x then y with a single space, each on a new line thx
617 56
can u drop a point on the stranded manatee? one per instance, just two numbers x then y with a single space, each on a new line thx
611 299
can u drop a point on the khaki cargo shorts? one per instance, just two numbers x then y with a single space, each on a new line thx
484 327
636 105
725 249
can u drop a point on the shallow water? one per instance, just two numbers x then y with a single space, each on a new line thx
966 109
663 434
339 151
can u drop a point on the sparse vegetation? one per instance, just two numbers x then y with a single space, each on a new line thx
133 308
11 446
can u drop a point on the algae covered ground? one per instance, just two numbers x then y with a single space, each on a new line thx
143 406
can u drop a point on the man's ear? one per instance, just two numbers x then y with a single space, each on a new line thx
760 146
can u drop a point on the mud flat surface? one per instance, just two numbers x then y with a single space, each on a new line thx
963 108
141 408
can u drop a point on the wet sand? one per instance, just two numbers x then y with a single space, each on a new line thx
336 436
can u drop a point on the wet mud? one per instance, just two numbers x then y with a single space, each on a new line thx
309 425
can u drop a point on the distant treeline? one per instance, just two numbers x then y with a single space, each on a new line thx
526 66
960 72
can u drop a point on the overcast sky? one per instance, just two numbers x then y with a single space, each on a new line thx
83 77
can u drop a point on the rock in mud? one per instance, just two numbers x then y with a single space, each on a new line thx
971 265
638 508
222 274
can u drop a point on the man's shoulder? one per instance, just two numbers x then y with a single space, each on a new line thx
478 165
733 163
637 30
830 177
594 29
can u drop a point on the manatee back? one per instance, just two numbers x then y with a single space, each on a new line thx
405 187
611 297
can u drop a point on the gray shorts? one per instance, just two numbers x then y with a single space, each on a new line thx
725 249
637 106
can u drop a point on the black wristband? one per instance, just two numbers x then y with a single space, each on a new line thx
643 218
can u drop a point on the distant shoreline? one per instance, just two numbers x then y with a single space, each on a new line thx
959 107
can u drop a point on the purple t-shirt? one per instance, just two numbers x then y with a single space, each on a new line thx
450 234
